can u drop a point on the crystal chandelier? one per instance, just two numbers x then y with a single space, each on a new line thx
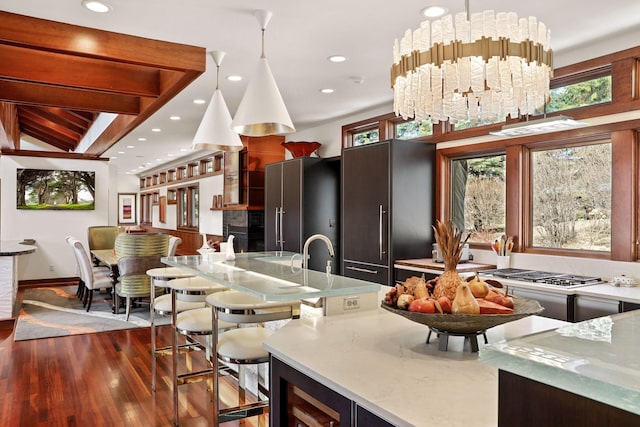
483 67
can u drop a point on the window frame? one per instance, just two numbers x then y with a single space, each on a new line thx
187 207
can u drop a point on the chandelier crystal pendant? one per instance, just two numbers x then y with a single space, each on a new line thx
214 132
481 67
262 111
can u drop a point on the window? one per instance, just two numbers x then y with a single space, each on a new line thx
580 94
571 197
468 124
413 129
478 196
366 137
188 207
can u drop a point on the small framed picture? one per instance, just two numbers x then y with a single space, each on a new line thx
127 208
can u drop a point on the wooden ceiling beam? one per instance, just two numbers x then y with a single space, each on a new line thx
47 137
42 34
9 127
34 120
71 98
57 117
18 63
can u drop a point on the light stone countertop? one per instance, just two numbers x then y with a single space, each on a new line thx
380 361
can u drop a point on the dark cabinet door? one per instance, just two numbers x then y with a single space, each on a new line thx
291 219
272 205
365 203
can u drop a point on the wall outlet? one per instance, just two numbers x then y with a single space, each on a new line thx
51 267
352 302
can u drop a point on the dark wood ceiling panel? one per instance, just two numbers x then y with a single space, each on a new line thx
57 77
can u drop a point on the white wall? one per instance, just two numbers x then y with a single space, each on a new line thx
330 134
48 227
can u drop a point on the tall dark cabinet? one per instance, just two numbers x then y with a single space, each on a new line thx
388 207
302 199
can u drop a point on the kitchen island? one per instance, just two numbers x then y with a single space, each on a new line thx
585 374
9 253
380 363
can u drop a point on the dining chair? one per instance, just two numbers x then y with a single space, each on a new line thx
174 242
90 280
102 237
136 254
97 271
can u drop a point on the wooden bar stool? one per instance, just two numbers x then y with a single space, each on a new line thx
243 346
161 305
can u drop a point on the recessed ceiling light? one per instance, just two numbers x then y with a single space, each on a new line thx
169 155
158 160
234 78
183 149
131 146
199 101
120 152
337 58
156 130
142 139
327 90
96 6
113 157
434 11
175 118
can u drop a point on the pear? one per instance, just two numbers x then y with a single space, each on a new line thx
464 302
479 288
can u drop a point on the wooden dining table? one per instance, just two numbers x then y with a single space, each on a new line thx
108 258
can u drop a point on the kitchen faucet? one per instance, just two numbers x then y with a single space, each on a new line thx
305 250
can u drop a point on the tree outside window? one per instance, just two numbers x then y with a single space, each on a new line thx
571 200
478 196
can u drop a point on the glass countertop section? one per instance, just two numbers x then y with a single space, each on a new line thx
271 276
598 359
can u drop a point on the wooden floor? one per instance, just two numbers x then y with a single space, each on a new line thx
100 379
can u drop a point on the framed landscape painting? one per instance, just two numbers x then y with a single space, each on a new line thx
39 189
126 208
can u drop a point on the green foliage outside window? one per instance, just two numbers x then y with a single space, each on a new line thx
590 92
414 129
366 137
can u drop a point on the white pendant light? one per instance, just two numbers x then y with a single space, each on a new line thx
214 132
262 111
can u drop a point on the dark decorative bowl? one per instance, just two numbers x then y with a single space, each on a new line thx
301 148
470 323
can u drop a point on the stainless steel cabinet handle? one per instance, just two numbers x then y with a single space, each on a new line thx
381 212
277 221
281 227
363 270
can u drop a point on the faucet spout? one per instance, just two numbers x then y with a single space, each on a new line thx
305 249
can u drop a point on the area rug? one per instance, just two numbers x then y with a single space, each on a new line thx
56 311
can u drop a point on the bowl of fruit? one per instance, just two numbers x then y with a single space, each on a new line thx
467 313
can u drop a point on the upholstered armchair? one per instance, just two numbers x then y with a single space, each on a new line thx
137 253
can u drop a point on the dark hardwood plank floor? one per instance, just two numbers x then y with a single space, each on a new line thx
100 379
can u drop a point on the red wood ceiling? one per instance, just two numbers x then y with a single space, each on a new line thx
56 78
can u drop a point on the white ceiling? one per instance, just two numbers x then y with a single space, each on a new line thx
299 38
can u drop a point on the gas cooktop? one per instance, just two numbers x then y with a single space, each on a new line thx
545 277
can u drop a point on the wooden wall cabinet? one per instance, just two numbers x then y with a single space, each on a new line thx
388 207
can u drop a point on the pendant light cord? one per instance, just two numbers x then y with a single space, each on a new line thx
262 56
217 77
